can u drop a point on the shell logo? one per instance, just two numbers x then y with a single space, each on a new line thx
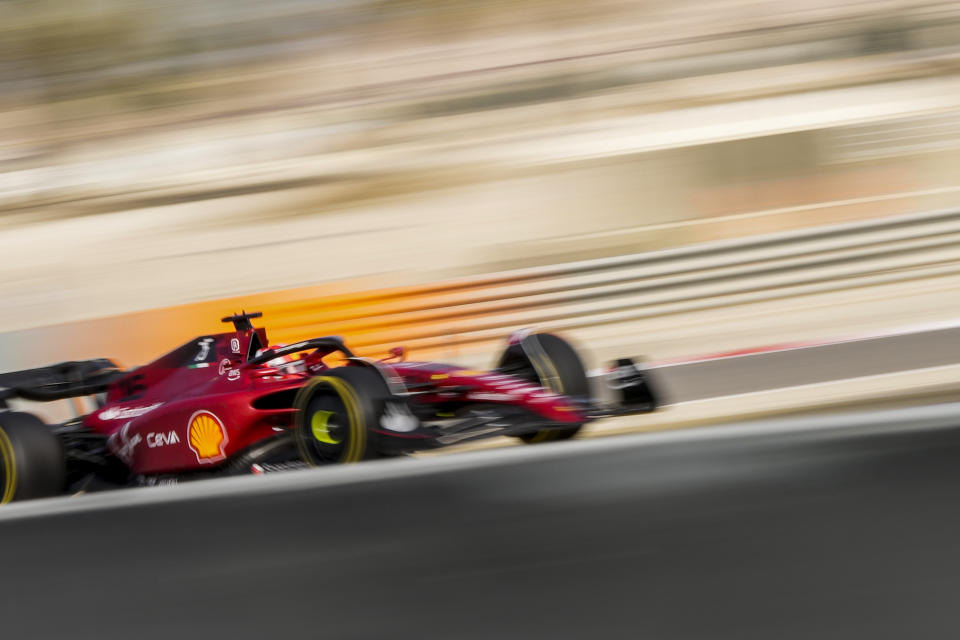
207 437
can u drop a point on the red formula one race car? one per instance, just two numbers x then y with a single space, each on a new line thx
229 404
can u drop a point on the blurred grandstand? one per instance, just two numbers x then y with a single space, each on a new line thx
230 148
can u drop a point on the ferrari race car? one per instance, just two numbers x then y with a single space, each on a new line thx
230 404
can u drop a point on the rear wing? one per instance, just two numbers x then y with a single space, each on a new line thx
59 381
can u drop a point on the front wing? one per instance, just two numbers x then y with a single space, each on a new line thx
401 430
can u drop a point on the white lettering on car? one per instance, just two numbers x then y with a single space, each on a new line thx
515 386
123 445
491 397
204 349
126 413
155 440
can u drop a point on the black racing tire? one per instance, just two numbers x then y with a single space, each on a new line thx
32 463
554 364
334 414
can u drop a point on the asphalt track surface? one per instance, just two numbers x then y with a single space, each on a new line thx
717 377
843 526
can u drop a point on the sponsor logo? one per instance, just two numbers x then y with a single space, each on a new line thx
506 381
235 345
491 397
155 440
207 436
543 397
233 374
515 386
126 413
397 417
224 365
204 345
123 444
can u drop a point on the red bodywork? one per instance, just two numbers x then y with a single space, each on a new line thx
202 403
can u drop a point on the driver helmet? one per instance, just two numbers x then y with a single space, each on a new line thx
290 363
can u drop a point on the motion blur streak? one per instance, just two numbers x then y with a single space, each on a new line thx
653 178
153 156
789 529
650 302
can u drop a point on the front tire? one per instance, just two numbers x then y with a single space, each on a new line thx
551 362
334 414
32 463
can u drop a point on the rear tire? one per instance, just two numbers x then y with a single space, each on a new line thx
334 414
554 364
32 463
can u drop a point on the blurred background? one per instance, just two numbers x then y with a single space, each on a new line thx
659 178
685 180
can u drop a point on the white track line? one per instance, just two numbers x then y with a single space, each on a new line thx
812 344
816 385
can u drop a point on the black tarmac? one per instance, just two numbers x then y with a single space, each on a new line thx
830 527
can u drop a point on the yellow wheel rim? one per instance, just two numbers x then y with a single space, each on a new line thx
9 469
320 426
357 428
